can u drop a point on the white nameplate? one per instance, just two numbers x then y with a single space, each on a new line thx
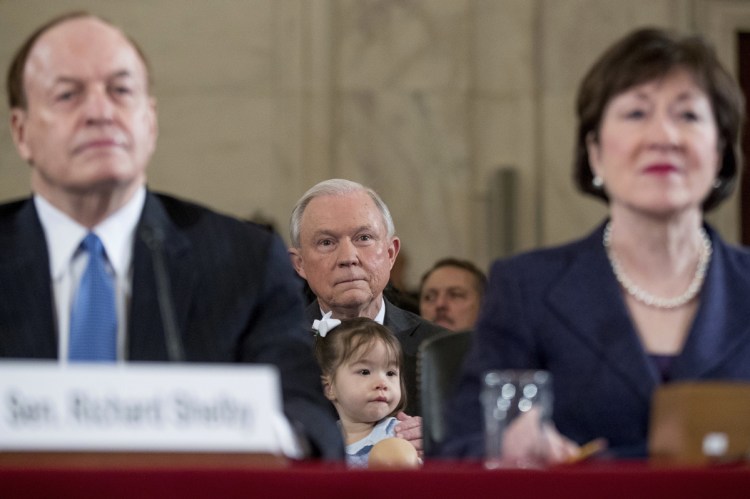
144 407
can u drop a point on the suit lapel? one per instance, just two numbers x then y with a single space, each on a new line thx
312 313
722 322
402 326
588 300
146 335
27 311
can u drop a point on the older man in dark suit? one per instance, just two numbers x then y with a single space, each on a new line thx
169 280
344 245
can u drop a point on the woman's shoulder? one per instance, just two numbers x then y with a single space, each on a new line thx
734 252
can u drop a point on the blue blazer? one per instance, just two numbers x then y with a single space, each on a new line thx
562 309
235 295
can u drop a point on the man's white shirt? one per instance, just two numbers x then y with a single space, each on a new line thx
67 262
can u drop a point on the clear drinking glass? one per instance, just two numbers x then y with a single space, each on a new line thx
505 395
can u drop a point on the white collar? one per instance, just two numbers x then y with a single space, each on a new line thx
64 234
379 317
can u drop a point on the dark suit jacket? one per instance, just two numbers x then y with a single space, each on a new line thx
411 330
235 296
561 309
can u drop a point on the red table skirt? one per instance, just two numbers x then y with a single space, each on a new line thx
230 478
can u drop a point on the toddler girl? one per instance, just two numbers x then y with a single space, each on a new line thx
361 361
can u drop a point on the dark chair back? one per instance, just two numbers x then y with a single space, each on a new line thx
438 364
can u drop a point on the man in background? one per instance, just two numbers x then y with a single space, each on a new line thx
95 267
450 294
344 245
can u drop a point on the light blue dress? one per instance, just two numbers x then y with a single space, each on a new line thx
358 453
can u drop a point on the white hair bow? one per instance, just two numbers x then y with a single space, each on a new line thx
325 324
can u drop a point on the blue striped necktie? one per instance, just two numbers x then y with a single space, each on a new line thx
93 320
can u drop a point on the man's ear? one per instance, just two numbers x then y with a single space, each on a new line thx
296 258
328 389
18 119
393 249
153 124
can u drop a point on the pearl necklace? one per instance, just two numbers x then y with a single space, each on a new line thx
647 298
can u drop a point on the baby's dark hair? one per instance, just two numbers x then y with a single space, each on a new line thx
352 339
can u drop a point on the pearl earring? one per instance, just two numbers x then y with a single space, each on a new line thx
597 182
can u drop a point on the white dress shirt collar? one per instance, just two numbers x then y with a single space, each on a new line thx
379 317
64 234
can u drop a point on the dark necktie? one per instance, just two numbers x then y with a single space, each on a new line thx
93 320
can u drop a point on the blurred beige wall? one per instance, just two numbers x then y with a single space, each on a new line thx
424 100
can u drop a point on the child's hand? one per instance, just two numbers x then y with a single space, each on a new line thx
410 429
